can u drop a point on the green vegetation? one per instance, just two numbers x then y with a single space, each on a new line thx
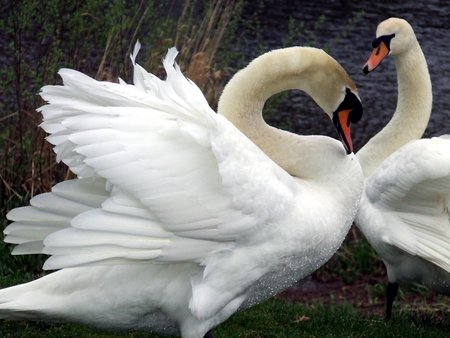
96 37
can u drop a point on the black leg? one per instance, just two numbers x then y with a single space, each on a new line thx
208 334
391 293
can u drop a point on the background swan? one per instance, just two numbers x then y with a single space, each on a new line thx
177 219
404 211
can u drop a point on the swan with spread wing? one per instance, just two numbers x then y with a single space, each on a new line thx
179 217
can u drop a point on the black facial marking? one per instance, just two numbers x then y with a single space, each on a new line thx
352 102
384 38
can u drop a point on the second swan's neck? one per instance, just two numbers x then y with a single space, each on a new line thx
411 116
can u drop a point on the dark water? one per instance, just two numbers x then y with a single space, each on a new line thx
431 22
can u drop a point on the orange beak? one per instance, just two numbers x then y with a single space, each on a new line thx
344 129
378 54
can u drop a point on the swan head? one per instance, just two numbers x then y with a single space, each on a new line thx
394 37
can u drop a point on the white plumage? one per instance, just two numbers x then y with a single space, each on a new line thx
404 210
176 219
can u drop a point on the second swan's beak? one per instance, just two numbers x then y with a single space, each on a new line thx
378 54
349 111
381 48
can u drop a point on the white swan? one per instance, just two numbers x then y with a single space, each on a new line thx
404 211
177 219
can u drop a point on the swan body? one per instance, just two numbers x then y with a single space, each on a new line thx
177 219
404 210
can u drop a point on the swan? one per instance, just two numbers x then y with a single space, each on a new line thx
177 219
404 210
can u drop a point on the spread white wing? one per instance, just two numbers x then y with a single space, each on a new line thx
162 178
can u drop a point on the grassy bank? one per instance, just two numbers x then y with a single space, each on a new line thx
335 313
272 319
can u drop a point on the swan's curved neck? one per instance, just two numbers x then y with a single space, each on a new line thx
242 101
244 96
411 116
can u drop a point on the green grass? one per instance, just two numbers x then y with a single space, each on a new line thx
417 313
272 319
